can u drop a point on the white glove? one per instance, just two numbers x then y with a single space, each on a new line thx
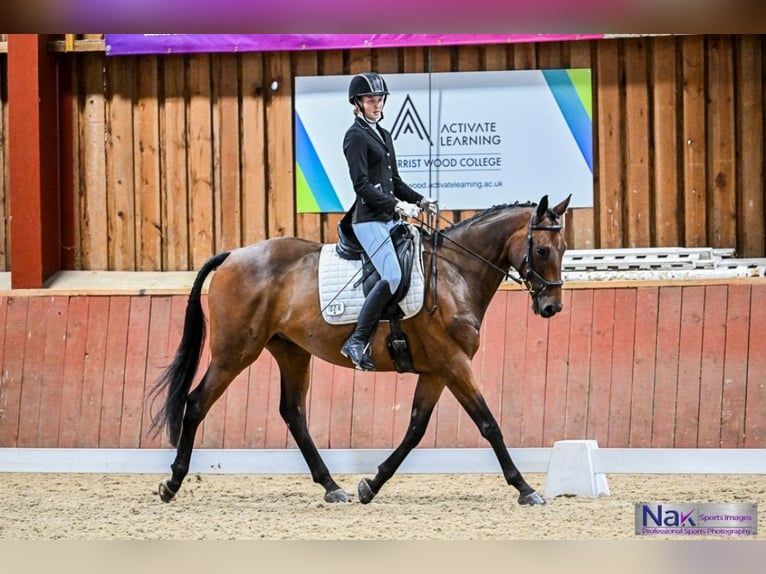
407 209
429 204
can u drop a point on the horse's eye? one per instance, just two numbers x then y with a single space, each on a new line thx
542 252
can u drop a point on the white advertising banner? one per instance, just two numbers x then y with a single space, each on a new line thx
470 139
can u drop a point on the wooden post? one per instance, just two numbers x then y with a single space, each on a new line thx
33 161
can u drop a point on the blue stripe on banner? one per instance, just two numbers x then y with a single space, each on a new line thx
573 111
313 170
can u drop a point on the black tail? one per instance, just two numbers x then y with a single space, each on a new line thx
178 376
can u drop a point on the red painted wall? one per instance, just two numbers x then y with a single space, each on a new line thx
655 366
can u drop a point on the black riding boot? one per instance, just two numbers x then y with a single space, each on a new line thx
356 346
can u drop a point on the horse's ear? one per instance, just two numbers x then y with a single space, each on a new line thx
562 207
542 208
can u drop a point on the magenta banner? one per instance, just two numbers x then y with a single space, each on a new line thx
132 44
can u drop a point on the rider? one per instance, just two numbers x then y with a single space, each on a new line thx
381 199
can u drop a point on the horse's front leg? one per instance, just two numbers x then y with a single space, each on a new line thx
471 399
427 392
294 367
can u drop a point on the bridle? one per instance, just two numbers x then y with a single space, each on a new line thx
529 268
525 280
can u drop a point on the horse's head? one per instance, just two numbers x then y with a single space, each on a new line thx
540 266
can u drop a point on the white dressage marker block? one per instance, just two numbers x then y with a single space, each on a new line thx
571 470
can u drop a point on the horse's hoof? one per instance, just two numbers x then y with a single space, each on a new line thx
531 499
337 495
364 490
165 492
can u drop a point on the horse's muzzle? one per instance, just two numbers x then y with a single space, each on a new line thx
546 307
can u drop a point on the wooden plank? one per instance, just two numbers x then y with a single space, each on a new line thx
712 362
755 408
32 376
638 190
490 372
175 190
524 56
280 183
147 167
608 171
556 371
533 398
445 419
666 372
600 388
722 175
4 189
579 228
689 367
307 225
200 159
341 424
13 369
622 368
642 396
253 149
578 374
320 402
92 177
751 223
114 371
72 373
735 367
331 62
226 116
89 423
52 391
667 229
133 395
157 359
514 360
495 57
693 137
384 391
120 163
259 374
363 410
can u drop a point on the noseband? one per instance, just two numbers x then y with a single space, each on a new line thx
529 270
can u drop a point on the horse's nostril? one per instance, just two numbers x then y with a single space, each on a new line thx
549 310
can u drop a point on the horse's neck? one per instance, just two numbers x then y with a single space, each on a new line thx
488 237
478 249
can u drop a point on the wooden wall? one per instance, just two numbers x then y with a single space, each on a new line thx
179 156
644 366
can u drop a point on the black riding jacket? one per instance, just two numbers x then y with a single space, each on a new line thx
374 175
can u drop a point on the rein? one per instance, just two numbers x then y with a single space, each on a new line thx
523 280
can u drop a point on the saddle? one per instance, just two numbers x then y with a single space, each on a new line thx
346 275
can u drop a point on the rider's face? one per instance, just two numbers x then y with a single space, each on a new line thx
373 106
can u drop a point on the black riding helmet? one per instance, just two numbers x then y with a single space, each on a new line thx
366 84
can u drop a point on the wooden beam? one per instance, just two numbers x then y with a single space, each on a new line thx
33 161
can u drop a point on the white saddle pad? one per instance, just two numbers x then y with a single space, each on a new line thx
341 302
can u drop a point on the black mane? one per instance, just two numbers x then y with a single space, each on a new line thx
487 213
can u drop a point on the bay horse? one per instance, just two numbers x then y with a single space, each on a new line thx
265 295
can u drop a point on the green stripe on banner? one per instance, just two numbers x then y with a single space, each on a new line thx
581 81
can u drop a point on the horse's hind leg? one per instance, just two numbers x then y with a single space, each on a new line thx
198 403
294 366
427 393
